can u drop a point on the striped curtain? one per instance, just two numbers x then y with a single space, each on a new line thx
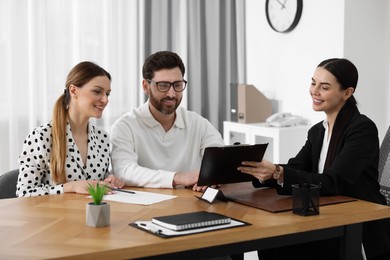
41 40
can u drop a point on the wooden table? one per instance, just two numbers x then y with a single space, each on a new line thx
54 227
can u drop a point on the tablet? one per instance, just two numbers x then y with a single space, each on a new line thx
219 164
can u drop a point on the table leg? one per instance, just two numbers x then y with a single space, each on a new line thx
351 243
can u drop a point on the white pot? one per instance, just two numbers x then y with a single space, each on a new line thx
98 215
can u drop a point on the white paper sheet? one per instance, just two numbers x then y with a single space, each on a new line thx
139 197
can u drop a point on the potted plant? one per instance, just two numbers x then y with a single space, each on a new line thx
97 212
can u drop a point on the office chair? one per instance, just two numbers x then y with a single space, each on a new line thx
8 184
384 166
384 171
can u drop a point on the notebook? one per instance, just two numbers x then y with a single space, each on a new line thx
191 220
219 164
163 232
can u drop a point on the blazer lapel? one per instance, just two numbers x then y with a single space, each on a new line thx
317 140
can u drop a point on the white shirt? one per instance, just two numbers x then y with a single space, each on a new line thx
143 154
325 146
34 171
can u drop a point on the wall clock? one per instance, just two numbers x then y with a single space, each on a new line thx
283 15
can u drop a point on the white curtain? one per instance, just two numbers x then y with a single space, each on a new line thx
41 40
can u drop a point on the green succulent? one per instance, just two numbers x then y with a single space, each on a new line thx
97 192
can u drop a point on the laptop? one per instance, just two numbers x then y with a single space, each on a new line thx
219 164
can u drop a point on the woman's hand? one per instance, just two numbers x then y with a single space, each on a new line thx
262 171
81 187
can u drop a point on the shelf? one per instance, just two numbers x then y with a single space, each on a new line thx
283 142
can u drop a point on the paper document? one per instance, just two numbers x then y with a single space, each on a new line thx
139 197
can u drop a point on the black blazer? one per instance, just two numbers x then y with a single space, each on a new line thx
354 173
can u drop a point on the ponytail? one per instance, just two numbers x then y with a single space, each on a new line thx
58 148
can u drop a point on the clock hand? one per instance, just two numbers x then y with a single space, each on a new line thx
283 5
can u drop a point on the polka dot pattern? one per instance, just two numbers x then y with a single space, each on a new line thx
34 172
384 166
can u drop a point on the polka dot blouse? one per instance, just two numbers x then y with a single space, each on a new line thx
34 172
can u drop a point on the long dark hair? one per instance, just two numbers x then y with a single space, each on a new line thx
80 75
347 75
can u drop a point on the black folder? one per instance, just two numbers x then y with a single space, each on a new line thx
268 199
219 164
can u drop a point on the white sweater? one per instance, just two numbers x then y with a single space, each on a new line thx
144 155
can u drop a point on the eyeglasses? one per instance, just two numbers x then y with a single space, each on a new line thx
164 86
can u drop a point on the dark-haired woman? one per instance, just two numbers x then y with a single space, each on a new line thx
341 153
69 152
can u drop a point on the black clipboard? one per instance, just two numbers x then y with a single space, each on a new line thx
219 164
162 232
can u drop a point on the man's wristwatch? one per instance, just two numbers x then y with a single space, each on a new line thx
277 172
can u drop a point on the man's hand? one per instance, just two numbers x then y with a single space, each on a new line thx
190 179
199 188
185 178
114 181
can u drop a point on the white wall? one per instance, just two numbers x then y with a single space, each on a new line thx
366 42
281 65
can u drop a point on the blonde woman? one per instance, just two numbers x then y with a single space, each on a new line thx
69 152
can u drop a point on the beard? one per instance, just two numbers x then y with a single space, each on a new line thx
163 108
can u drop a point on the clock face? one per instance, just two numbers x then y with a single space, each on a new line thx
283 15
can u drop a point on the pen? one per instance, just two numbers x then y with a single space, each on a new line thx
127 191
151 228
